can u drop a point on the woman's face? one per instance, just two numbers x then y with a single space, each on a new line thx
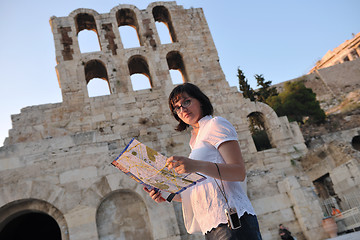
189 109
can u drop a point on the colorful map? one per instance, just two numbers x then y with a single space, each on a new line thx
147 167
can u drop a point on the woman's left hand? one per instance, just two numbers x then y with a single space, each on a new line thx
182 164
232 170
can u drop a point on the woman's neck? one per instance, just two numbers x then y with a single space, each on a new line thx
195 128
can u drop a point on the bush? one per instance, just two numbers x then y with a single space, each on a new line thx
297 102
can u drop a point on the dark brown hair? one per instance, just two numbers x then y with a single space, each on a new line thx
194 92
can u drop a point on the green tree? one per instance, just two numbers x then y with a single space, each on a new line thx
297 102
245 88
265 91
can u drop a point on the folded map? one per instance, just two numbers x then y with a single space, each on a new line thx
147 167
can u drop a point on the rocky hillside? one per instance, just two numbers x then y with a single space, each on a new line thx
345 115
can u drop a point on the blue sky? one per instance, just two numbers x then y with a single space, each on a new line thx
281 39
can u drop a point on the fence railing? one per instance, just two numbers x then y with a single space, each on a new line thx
349 218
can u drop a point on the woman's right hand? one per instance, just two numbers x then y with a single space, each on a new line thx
155 195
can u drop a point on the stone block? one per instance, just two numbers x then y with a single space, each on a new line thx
273 159
287 215
61 142
114 180
78 174
83 138
278 165
10 163
271 204
98 149
289 184
81 215
45 191
99 118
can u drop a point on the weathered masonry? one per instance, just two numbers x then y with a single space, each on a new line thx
55 164
345 52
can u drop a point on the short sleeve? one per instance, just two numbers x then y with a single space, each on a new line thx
220 130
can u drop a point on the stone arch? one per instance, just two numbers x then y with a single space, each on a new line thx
162 14
96 69
355 142
122 214
110 73
175 62
259 131
137 64
277 128
85 20
27 210
83 10
127 17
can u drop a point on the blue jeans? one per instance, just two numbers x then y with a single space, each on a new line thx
249 230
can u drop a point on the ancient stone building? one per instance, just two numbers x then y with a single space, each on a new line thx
332 163
331 84
345 52
55 164
335 75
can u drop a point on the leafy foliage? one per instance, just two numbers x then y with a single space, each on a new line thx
256 121
265 91
245 88
297 102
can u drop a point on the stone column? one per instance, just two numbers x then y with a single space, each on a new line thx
306 207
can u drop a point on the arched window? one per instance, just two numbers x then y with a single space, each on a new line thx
95 72
31 225
32 219
123 215
98 87
87 33
128 28
258 131
176 77
355 142
140 81
162 15
129 37
163 32
139 73
88 41
176 67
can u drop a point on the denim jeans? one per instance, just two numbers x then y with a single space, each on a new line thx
249 230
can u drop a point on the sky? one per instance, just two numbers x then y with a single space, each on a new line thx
280 39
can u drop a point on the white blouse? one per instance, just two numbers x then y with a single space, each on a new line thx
203 204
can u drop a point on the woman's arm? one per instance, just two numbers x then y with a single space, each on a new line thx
232 170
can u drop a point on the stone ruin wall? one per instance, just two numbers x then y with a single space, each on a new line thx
333 83
57 157
345 52
334 154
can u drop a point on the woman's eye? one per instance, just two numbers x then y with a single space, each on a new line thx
186 103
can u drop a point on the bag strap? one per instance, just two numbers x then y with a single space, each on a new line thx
223 189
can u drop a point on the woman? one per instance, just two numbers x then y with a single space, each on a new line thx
215 153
